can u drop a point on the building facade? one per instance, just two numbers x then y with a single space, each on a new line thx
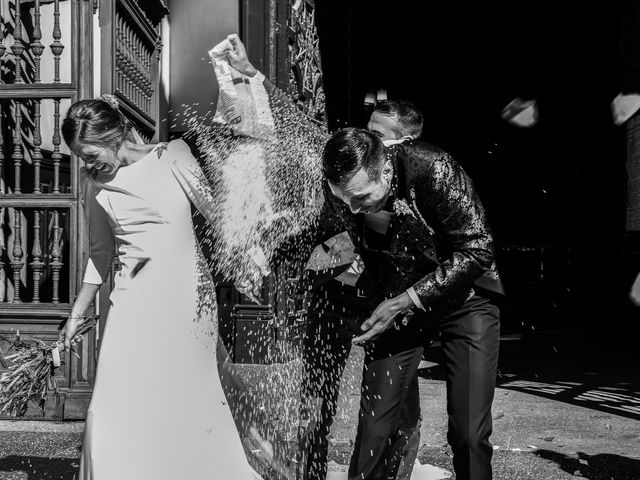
149 53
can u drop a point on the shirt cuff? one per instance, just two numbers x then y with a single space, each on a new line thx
91 274
414 298
257 78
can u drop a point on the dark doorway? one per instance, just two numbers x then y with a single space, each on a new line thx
555 193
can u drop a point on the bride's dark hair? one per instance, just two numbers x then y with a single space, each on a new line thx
95 122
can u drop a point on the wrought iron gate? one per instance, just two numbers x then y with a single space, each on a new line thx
46 63
42 73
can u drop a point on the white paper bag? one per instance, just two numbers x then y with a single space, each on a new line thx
242 101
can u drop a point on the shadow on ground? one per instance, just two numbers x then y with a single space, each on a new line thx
603 466
597 376
39 468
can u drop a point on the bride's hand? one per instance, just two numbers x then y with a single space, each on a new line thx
70 329
238 58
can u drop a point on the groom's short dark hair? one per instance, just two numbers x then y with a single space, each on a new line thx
349 150
407 117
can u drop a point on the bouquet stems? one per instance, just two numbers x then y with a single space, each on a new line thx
32 374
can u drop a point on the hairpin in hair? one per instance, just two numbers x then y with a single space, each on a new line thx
111 100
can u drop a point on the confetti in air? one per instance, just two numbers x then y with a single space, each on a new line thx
264 173
521 113
261 159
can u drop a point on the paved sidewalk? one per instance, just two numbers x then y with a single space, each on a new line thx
34 450
560 412
556 415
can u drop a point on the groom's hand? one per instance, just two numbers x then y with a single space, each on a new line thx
250 285
250 279
383 317
238 57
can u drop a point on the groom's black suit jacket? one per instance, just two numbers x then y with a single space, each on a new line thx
438 241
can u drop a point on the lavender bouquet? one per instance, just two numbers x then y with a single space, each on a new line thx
31 376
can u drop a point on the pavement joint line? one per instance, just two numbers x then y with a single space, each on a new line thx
41 426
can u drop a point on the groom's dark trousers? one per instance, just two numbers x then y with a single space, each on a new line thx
470 340
390 402
325 352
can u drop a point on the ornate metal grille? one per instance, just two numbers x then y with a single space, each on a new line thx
305 78
136 41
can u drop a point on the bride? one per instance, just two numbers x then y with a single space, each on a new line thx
158 410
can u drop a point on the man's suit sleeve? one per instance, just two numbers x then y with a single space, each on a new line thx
294 127
446 193
290 120
329 224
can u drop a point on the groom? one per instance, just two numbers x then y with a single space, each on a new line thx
418 224
337 303
428 253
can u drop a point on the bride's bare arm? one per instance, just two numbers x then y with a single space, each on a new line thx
101 249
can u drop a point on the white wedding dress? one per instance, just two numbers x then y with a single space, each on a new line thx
158 411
